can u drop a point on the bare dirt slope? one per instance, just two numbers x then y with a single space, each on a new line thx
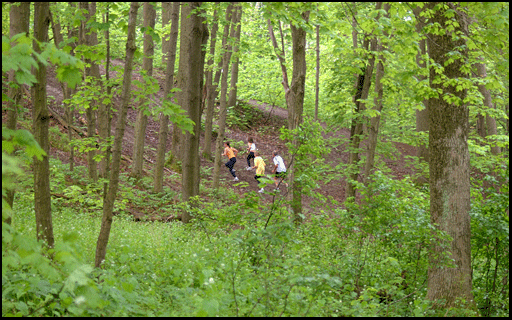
265 133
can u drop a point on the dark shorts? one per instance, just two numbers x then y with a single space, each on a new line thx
280 174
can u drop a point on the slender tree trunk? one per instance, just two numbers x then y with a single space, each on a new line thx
18 22
449 165
108 203
72 34
490 121
280 53
211 89
104 113
149 13
422 115
89 38
169 83
374 121
66 91
166 17
41 121
193 35
223 104
234 68
317 76
296 100
357 122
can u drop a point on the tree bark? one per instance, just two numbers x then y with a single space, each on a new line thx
166 38
41 121
234 67
223 105
421 115
210 89
89 38
18 22
374 121
296 104
317 76
489 120
108 203
66 91
190 75
169 83
449 165
357 122
149 13
104 116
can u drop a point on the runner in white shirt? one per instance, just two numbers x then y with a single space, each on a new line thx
279 169
250 148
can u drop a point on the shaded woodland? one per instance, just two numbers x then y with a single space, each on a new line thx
391 118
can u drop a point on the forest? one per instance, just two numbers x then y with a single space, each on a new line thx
377 183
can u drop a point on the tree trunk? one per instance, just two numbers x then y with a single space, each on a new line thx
223 109
66 91
41 121
282 61
169 83
166 42
108 203
18 22
104 113
357 122
317 76
373 131
449 165
213 87
296 104
149 13
490 121
89 38
421 115
234 68
190 75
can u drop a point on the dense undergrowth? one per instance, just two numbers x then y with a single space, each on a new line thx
240 256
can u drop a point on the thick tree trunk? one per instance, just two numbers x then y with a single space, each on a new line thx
234 68
149 13
169 83
41 121
190 77
223 105
108 203
296 100
449 166
18 22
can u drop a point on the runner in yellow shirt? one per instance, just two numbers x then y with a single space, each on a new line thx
259 165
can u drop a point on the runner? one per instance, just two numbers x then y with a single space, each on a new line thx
231 154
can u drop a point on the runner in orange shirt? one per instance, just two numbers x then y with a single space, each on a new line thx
231 154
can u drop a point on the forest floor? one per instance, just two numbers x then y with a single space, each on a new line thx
264 129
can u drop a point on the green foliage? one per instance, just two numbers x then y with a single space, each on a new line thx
176 114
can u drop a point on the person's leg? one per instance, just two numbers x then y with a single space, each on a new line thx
249 157
230 164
